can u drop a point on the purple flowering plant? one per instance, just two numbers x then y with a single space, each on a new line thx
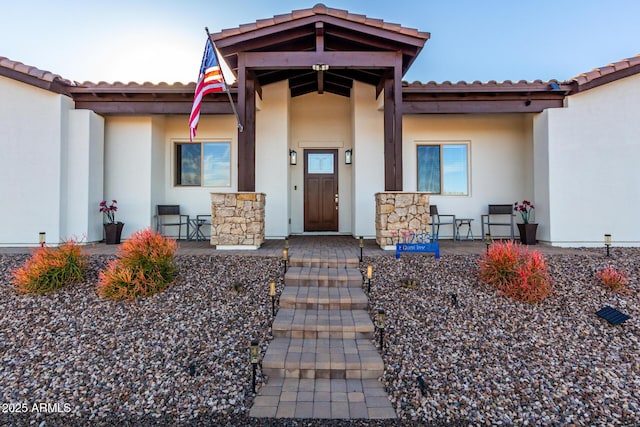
525 208
109 210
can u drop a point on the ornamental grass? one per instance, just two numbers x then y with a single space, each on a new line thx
613 279
49 269
145 266
516 272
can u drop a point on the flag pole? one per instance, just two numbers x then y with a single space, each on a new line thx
226 86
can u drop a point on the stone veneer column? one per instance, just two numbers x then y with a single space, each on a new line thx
398 212
237 220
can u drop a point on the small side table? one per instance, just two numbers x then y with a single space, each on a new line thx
195 226
459 223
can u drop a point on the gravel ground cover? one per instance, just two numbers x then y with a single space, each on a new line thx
181 357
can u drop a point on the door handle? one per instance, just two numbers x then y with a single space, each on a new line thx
336 200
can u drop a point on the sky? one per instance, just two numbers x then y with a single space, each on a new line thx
163 40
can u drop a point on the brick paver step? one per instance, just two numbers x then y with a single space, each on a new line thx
323 276
323 298
322 398
322 358
314 323
324 259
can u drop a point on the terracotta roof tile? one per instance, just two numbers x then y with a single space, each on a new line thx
320 9
28 70
608 73
491 85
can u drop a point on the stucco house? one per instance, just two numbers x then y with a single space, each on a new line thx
326 86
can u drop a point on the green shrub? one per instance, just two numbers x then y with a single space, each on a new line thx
613 279
145 266
516 272
49 269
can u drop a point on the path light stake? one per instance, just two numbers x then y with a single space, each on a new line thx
487 240
285 259
254 361
381 327
42 236
607 242
272 294
369 276
361 247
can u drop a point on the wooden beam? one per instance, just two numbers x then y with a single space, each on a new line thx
281 60
397 121
389 149
479 106
151 107
246 137
319 37
320 82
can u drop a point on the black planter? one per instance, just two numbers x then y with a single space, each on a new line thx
113 232
528 233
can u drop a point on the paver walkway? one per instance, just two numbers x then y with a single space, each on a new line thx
321 363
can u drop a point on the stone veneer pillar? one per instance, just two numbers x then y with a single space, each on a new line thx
398 213
237 220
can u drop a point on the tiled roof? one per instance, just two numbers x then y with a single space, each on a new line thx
321 9
478 86
30 74
599 76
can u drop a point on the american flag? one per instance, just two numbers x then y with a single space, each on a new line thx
210 80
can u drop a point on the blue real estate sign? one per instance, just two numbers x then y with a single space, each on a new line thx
430 246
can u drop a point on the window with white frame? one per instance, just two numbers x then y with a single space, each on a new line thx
443 169
203 164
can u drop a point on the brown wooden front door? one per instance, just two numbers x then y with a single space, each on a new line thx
320 190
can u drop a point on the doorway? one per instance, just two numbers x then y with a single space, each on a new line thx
321 190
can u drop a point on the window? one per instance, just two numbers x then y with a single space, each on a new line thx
206 164
443 169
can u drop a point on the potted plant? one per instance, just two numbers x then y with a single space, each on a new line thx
112 228
527 229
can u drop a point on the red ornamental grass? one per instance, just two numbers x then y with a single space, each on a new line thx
144 267
613 279
50 269
516 272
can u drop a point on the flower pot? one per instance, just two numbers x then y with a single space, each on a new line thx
113 232
528 233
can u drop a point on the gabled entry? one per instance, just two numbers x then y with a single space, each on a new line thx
320 50
321 190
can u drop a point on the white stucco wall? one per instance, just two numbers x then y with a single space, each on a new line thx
128 171
500 160
321 121
272 157
31 130
593 154
368 157
542 176
82 171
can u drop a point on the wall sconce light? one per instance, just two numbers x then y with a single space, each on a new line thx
381 327
320 67
348 156
42 236
607 242
254 360
293 157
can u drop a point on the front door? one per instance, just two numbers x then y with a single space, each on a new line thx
320 190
